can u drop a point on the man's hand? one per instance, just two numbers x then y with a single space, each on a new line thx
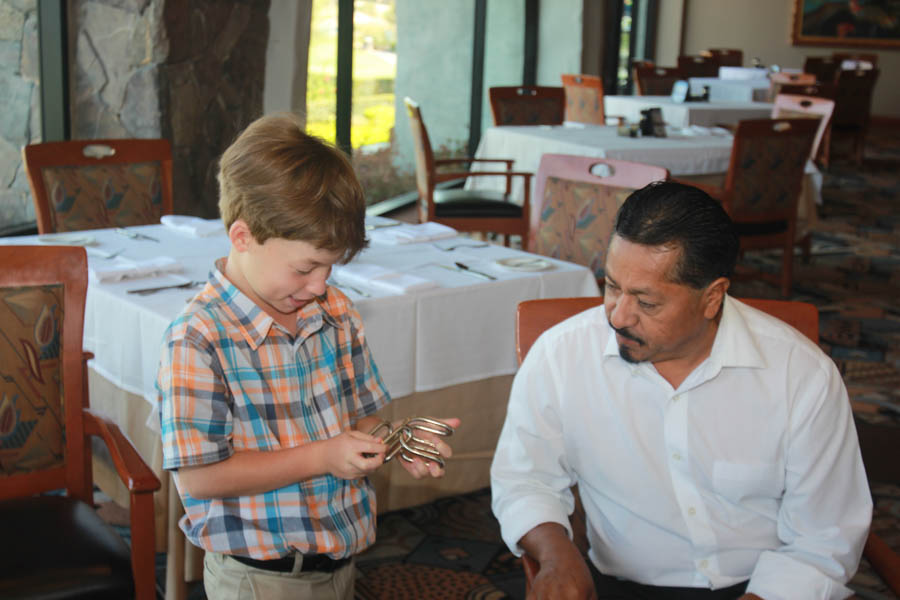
353 454
563 572
421 467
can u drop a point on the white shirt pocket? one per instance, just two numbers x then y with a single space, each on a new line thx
743 482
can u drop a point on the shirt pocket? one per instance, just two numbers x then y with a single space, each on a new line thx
743 482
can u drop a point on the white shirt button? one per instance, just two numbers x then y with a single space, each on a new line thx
703 564
692 511
676 398
676 456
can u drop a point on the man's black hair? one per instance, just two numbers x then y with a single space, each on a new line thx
665 213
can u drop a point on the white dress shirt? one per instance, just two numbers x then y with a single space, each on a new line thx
749 470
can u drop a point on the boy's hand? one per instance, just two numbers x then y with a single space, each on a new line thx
422 468
353 454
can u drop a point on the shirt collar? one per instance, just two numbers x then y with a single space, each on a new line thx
255 323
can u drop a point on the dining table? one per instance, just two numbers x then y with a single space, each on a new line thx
685 114
439 316
754 89
692 153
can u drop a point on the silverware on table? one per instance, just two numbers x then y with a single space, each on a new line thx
152 290
481 274
358 291
455 246
135 235
102 253
380 225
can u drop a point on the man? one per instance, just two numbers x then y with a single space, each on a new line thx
712 444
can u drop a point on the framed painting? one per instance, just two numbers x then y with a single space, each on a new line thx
862 23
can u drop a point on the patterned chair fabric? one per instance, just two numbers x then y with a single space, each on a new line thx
528 111
32 419
577 220
583 105
113 195
764 181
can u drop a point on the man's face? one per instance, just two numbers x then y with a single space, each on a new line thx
654 319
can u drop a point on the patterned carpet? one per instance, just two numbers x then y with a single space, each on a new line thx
451 548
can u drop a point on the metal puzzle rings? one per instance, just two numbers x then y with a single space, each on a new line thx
404 442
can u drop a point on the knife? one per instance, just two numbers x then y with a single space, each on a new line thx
467 269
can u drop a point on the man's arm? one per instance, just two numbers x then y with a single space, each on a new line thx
563 572
826 507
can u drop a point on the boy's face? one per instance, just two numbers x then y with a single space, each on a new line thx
280 275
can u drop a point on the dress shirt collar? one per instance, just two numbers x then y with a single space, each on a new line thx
255 323
735 345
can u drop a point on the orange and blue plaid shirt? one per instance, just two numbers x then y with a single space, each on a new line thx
232 379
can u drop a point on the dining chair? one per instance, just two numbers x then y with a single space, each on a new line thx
584 99
825 68
57 546
575 205
762 187
863 60
698 66
656 81
528 105
777 80
791 106
466 210
93 184
726 57
533 317
852 107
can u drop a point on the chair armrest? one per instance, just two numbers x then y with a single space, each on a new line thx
451 161
885 561
524 174
715 192
132 469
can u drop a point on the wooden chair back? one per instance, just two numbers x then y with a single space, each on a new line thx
424 157
656 81
825 68
853 101
528 105
789 106
698 65
584 99
577 200
45 419
855 60
92 184
727 57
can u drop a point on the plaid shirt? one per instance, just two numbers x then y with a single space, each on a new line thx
232 379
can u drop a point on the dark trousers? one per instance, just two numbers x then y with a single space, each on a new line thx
611 588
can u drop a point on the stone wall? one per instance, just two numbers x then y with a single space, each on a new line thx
20 116
190 71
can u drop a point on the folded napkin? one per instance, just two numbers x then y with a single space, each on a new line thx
700 130
123 268
193 226
381 278
411 234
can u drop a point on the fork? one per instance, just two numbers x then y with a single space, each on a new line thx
153 290
102 254
360 292
455 246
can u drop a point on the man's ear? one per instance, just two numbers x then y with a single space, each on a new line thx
714 297
240 236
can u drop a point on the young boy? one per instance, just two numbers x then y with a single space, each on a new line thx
267 387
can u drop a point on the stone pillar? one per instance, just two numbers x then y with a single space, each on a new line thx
190 71
20 115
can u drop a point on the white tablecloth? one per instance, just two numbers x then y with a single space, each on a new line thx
732 90
682 155
682 114
458 332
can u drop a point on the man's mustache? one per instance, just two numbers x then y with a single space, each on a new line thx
628 335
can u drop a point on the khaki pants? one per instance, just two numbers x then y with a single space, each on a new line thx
227 579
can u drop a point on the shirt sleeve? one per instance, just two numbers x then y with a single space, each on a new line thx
826 507
362 382
195 409
530 474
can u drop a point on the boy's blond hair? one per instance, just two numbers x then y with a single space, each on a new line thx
287 184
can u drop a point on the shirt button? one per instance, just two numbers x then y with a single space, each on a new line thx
703 564
676 398
692 511
676 456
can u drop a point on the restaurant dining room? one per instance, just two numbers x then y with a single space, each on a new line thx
429 299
